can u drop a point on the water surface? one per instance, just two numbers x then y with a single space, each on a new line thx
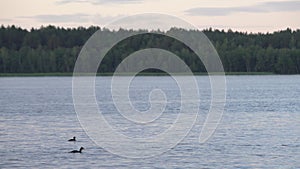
260 127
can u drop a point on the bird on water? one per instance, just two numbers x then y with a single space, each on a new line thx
72 139
77 151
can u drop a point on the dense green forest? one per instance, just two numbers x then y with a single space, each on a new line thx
54 49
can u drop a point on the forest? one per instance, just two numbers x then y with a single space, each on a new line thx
55 49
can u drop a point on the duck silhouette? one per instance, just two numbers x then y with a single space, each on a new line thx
72 139
77 151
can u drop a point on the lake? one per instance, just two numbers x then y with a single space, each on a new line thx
260 127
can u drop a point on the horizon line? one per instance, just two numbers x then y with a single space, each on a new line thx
210 28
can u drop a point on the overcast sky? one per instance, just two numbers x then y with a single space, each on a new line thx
241 15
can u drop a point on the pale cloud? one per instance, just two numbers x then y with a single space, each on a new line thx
63 18
150 21
73 18
5 20
276 6
99 2
103 20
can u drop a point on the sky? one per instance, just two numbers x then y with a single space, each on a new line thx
238 15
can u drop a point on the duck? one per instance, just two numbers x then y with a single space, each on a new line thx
77 151
72 139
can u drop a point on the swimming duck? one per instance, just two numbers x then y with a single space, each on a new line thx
76 151
72 139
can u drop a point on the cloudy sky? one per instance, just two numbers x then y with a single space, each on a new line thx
241 15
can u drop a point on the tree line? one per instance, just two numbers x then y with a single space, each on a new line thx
55 49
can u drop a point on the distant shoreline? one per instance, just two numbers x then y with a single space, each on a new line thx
128 74
54 49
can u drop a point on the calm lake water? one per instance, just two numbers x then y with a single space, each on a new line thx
260 127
